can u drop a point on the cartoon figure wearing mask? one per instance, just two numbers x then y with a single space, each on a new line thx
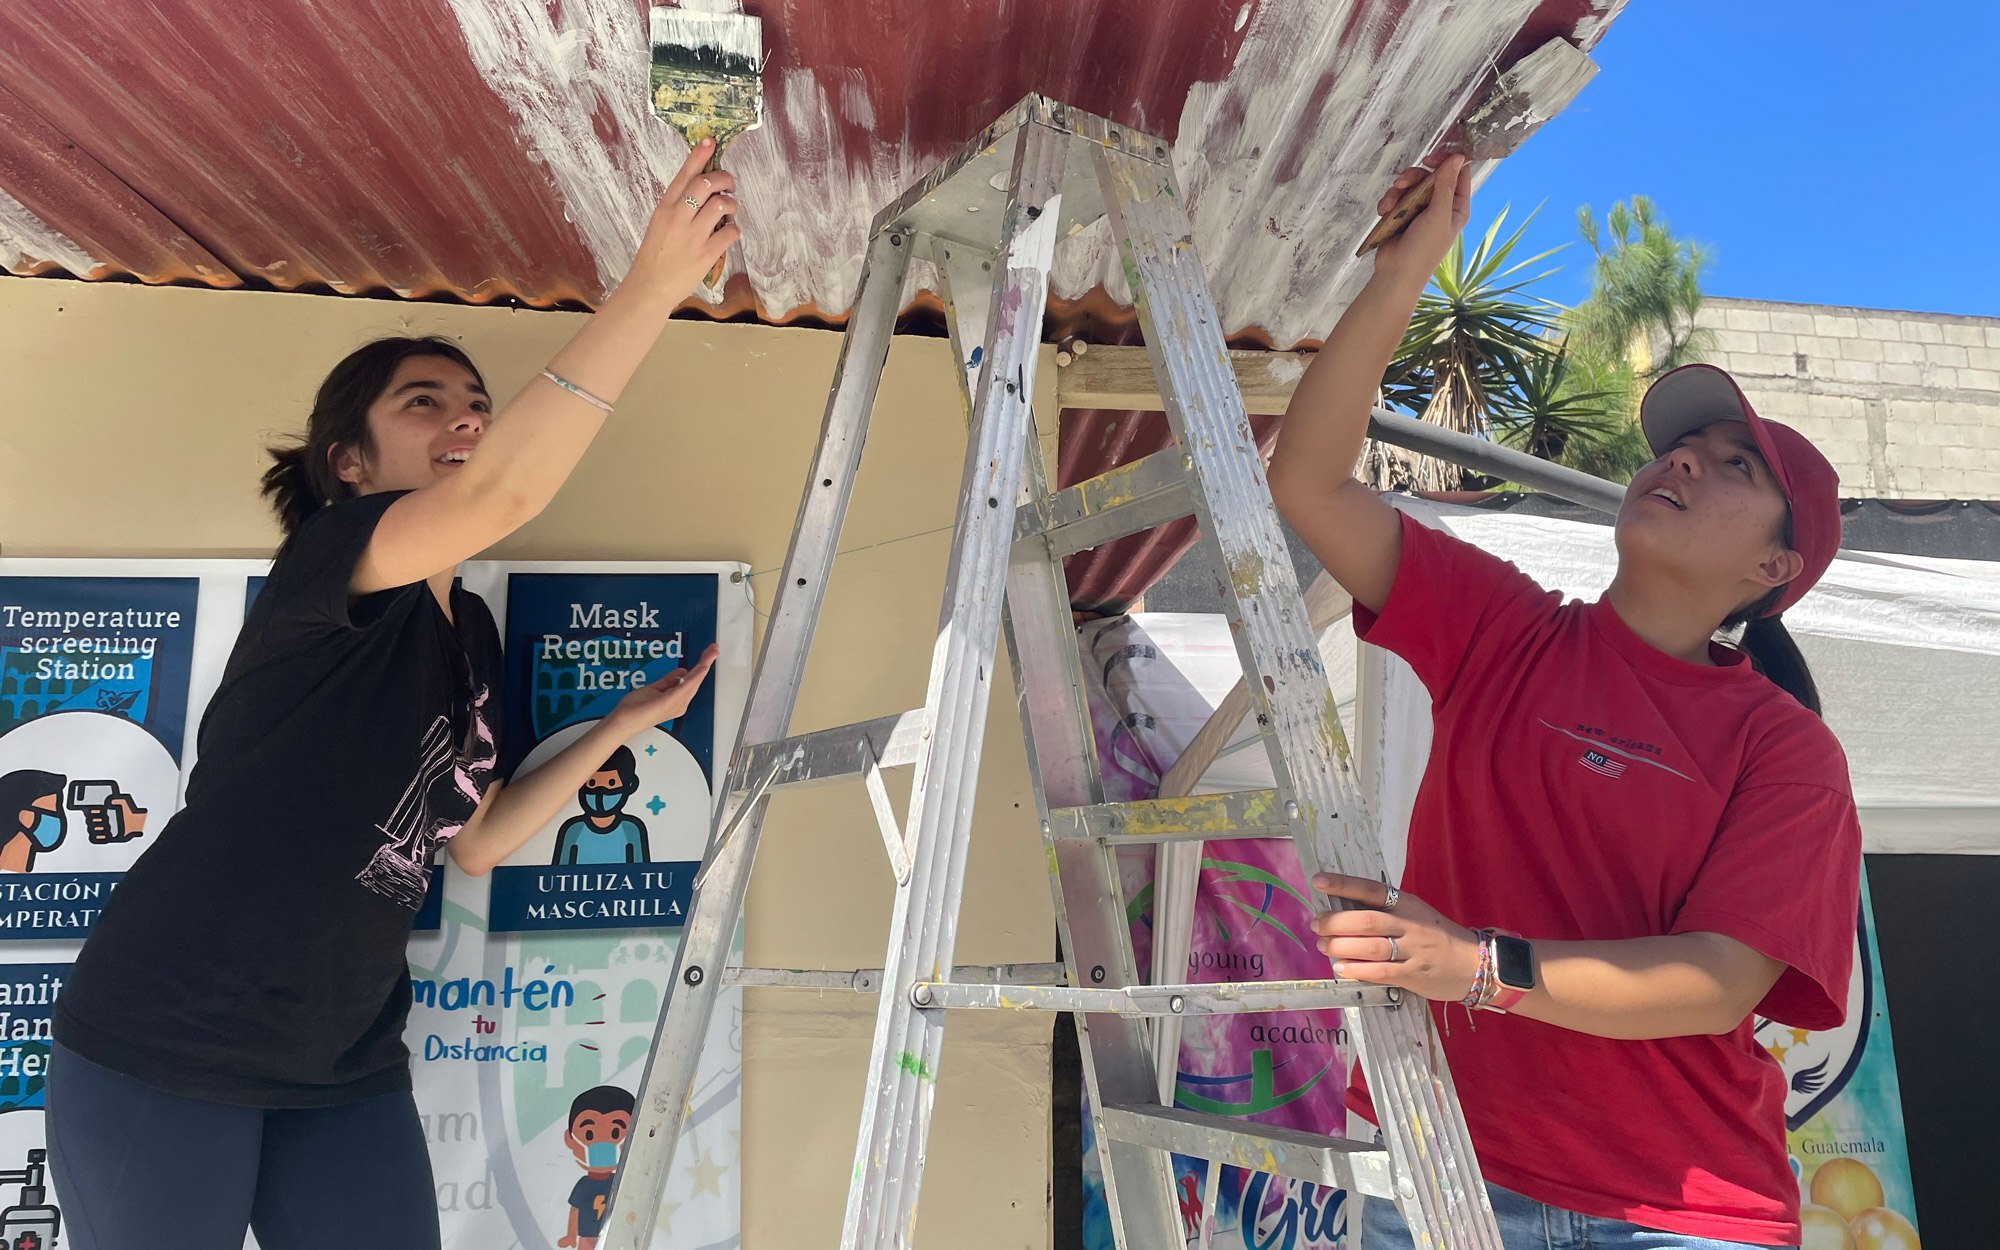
605 834
31 817
599 1119
33 822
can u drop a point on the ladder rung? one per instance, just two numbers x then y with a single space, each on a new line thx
1197 818
1332 1161
1126 500
1216 998
828 753
869 980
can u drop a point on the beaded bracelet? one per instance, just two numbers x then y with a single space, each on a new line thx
1485 982
577 391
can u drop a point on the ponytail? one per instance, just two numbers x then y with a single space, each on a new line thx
1770 647
289 485
1773 653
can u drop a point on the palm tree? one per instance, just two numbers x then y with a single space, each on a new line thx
1547 412
1645 292
1637 323
1473 331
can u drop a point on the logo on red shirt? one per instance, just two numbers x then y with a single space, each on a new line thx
1598 762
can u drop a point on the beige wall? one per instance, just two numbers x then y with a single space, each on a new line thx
131 422
1906 405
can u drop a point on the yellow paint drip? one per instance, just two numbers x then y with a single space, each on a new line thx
1329 728
1246 574
1205 813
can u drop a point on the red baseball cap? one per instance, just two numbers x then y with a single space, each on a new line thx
1687 398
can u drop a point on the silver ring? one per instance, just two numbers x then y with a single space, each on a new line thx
1394 897
691 202
1395 954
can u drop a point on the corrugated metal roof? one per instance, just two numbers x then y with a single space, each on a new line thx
483 150
489 149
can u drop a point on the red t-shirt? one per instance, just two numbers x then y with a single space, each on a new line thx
1582 786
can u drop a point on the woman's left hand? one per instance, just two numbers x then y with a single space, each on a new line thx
666 698
1429 954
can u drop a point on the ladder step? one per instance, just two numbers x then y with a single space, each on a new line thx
869 980
1126 500
1358 1167
1194 818
1207 998
825 754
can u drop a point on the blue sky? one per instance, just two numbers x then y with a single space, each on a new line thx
1832 152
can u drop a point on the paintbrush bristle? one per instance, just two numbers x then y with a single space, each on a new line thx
725 43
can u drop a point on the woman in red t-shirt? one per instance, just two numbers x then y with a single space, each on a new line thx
1652 832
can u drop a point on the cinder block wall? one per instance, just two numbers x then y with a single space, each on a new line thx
1906 405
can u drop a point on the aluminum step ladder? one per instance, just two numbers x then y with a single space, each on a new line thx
990 218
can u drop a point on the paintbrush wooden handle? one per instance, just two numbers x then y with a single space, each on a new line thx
1406 210
715 164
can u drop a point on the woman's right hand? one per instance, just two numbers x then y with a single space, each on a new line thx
691 227
1415 253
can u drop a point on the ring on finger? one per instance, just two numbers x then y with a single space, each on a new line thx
691 202
1393 897
1395 954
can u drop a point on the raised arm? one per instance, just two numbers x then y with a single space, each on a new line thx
531 445
1353 532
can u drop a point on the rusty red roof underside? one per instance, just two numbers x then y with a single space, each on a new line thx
484 150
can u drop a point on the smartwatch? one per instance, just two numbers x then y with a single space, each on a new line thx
1513 968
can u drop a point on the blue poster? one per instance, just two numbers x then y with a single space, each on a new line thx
27 1002
94 676
624 853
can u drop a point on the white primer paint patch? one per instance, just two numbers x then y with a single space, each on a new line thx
556 66
806 211
27 242
1278 251
1590 28
805 215
1284 370
1039 238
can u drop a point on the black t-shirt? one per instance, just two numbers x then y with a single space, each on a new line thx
590 1197
255 954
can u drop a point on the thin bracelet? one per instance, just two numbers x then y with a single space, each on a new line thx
577 391
1479 995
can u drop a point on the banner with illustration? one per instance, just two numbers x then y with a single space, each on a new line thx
1148 696
1152 682
624 854
528 1051
1844 1116
528 1047
94 675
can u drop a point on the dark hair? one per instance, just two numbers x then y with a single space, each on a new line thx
604 1100
301 479
622 762
1769 644
20 788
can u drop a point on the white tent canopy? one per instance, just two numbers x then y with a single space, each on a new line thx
1906 652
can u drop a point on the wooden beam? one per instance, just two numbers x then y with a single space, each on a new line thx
1121 377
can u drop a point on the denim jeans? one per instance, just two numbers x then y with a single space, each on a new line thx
1529 1225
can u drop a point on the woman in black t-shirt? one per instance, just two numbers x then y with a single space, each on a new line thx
228 1048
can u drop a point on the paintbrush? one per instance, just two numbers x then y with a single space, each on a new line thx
708 78
1532 90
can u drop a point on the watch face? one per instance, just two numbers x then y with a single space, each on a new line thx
1514 961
